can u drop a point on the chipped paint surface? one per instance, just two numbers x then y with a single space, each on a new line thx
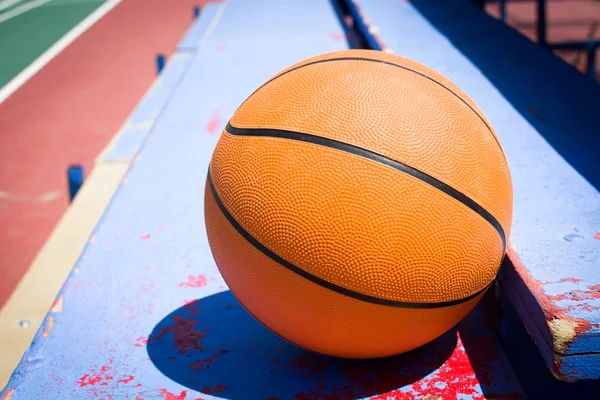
563 332
561 327
552 311
8 394
48 327
58 304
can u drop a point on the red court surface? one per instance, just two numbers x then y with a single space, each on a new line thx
567 21
68 112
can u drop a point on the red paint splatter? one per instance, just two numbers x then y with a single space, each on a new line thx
141 341
206 363
148 284
574 280
187 301
576 295
533 111
307 364
127 379
92 377
592 292
193 307
49 326
108 378
597 236
160 228
218 389
186 337
214 122
194 282
336 36
145 237
458 375
170 396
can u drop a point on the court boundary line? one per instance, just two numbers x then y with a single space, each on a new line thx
15 83
22 9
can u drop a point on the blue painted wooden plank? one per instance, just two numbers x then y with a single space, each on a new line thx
145 313
546 117
193 36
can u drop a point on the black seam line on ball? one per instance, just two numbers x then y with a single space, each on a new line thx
359 151
386 63
321 282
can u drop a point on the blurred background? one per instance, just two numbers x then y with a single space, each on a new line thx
566 21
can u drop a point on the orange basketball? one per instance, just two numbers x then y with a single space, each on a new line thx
358 204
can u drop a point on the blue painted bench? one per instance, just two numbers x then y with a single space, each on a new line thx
145 313
547 117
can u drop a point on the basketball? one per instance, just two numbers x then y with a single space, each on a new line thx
358 204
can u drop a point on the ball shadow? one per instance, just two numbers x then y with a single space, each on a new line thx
214 346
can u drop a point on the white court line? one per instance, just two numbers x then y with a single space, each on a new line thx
22 9
4 4
53 51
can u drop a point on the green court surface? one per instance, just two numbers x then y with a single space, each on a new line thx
30 27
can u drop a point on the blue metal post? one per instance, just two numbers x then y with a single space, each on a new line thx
502 5
591 62
541 22
75 180
160 62
196 12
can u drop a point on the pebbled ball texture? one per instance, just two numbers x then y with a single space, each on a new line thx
332 208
